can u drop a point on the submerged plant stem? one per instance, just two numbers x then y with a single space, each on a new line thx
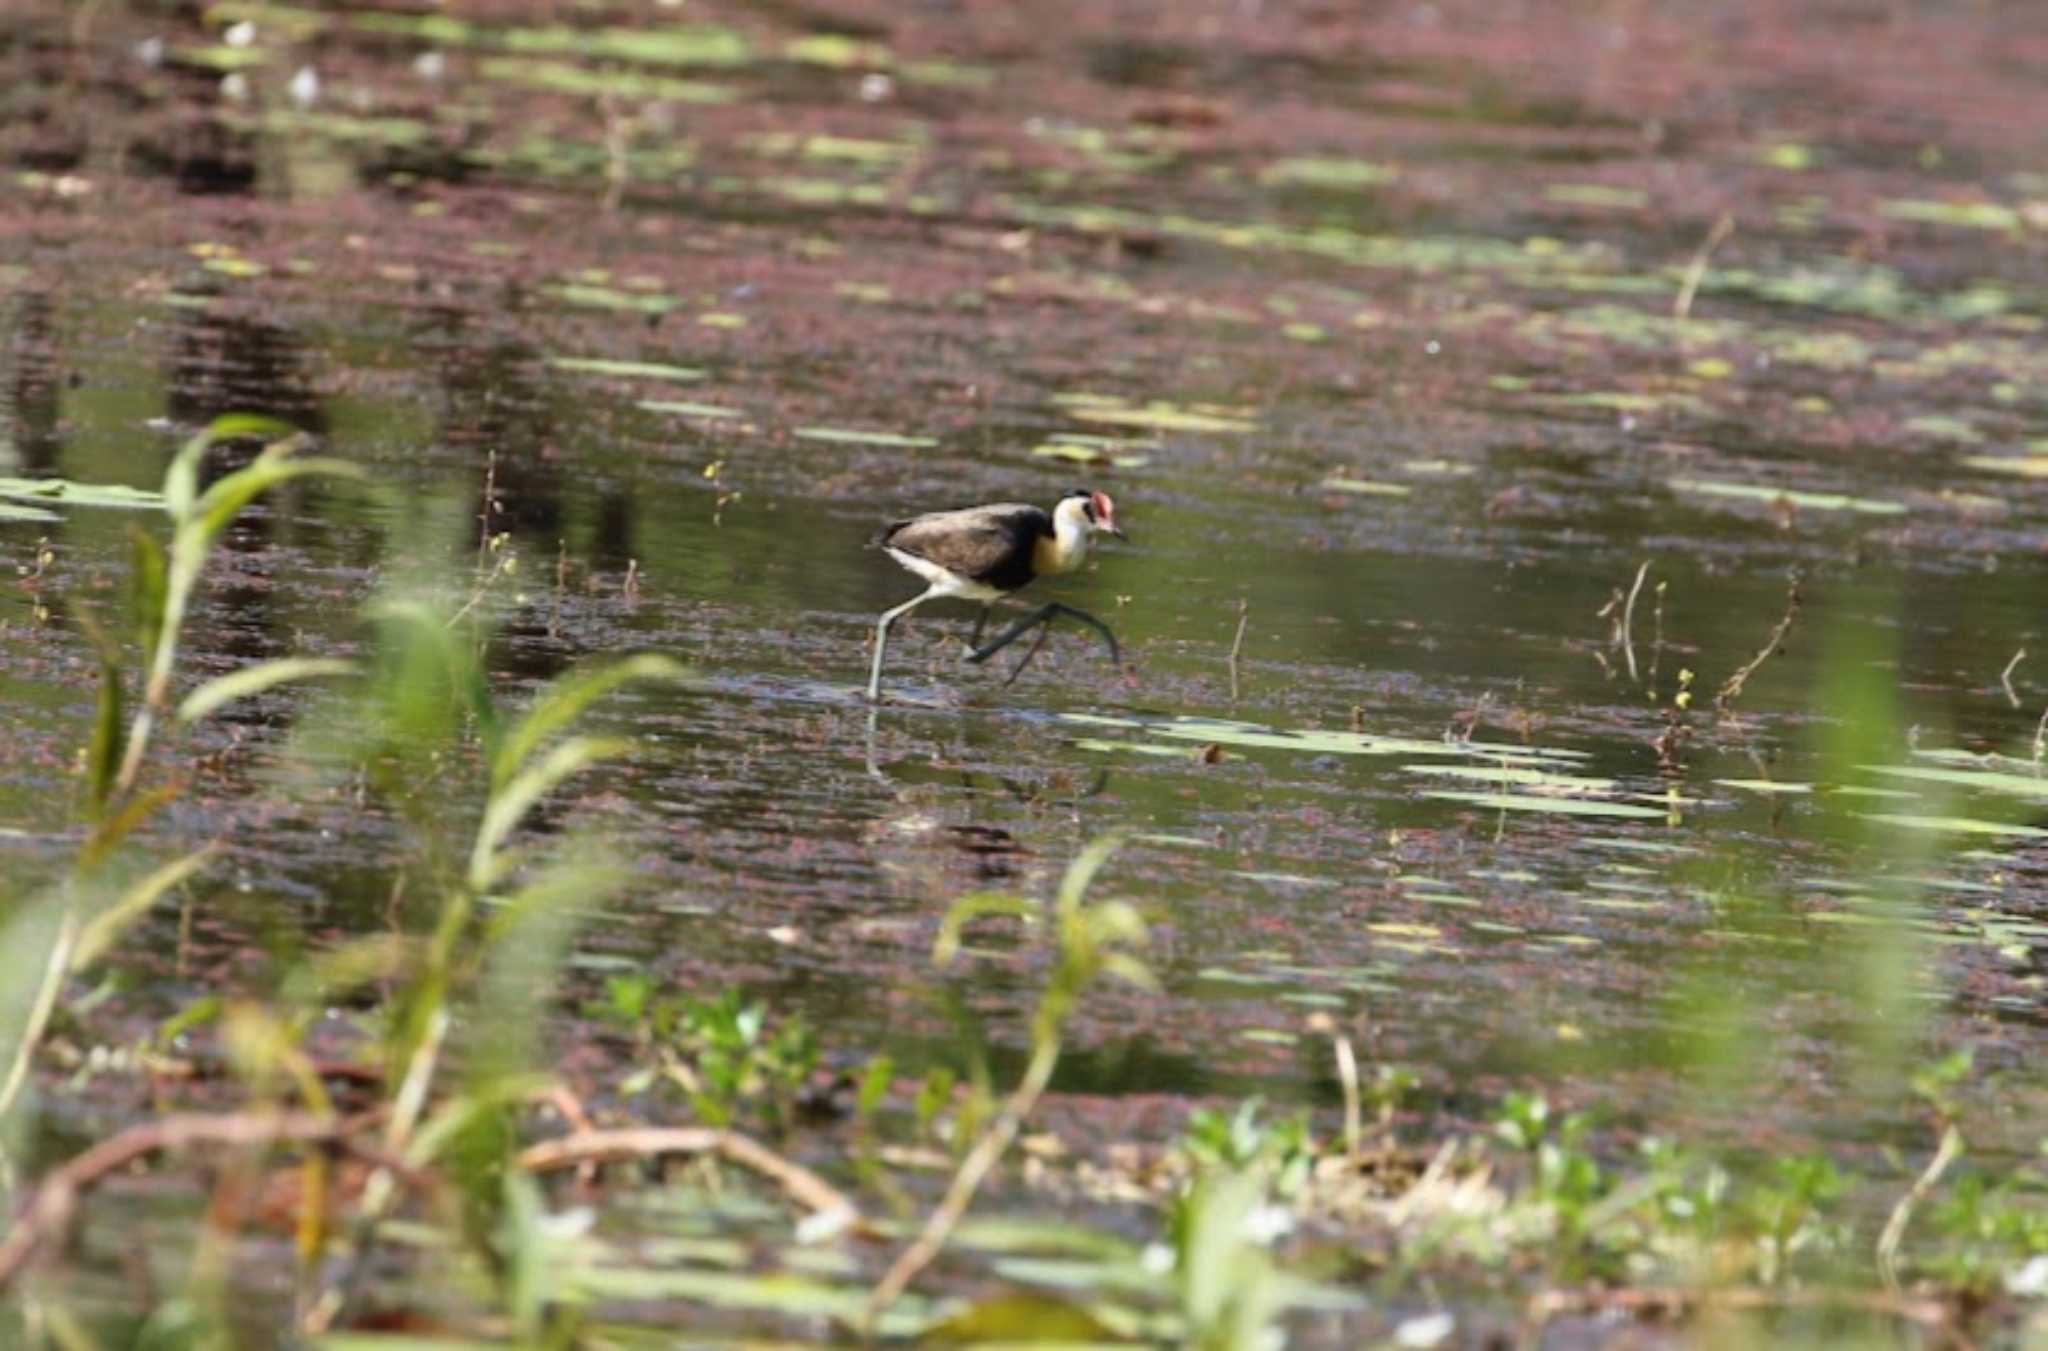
1628 619
1244 613
1731 689
1950 1149
1696 270
609 1146
967 1180
54 972
48 1212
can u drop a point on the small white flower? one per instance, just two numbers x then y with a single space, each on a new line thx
567 1224
305 87
429 65
1267 1223
1424 1332
241 34
2029 1281
235 87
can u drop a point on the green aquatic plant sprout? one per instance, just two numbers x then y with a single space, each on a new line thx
1088 941
74 923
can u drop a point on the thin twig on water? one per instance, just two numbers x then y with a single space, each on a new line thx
47 1215
989 1148
612 1146
1696 270
1628 619
1656 637
1894 1233
1244 613
2005 676
1731 689
1347 1079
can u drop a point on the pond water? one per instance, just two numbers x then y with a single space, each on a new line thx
1406 338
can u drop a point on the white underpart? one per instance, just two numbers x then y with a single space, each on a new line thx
944 583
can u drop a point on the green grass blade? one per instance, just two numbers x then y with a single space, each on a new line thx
181 480
510 803
563 701
101 932
256 679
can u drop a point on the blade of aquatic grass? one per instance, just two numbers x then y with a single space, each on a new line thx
104 929
252 680
566 700
510 803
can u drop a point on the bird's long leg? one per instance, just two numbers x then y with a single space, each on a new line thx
980 623
1044 632
1044 614
882 640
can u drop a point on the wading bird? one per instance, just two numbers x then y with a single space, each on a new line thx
985 553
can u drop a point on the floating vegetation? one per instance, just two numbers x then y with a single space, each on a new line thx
684 408
1081 448
597 297
682 45
1602 196
630 370
1548 780
1316 741
64 492
562 77
2030 784
2024 466
1318 172
851 436
1956 825
1966 215
1339 483
1158 414
1560 806
1771 496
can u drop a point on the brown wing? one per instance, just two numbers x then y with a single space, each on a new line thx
991 544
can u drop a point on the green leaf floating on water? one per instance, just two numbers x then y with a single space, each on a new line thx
1082 453
2026 466
1956 825
1319 172
1761 492
1986 780
1533 778
854 437
1968 215
1318 741
683 408
57 490
605 298
10 512
1337 483
1134 747
1563 806
633 370
1159 414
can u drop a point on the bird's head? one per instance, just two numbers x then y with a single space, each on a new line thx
1095 509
